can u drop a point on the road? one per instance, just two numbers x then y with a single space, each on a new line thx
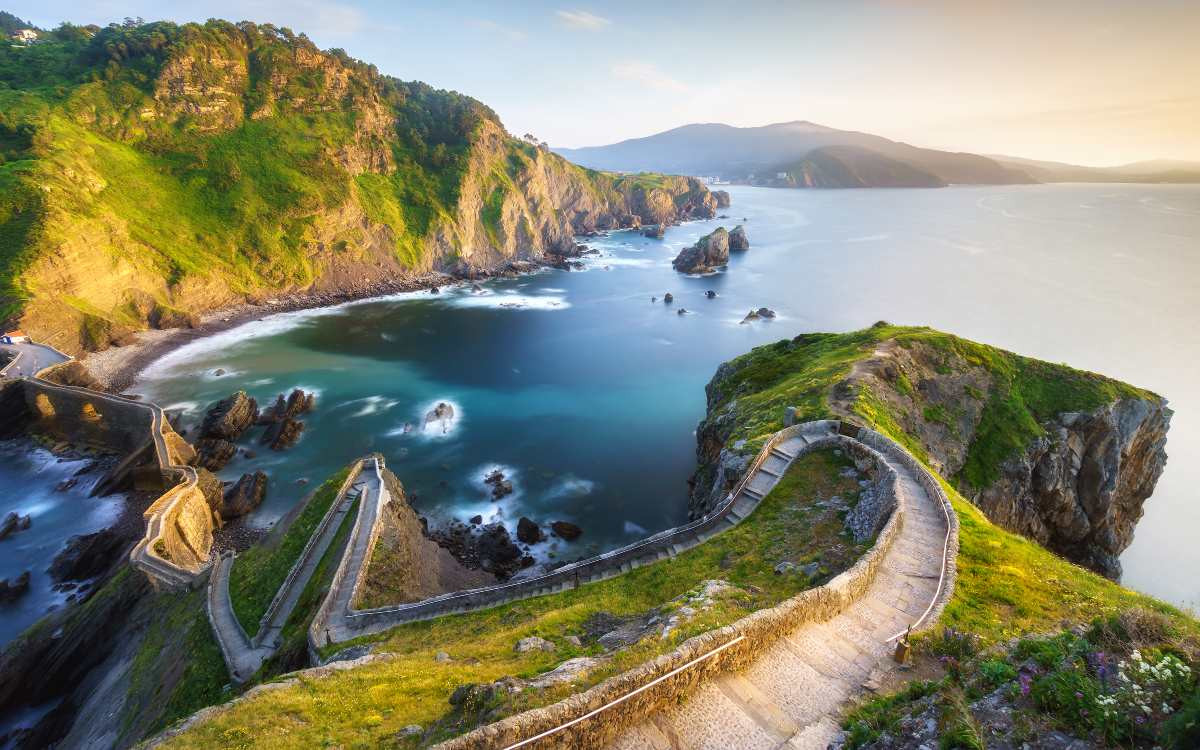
31 358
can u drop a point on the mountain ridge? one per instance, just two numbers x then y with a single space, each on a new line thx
759 154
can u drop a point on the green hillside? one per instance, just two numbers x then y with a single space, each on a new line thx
149 172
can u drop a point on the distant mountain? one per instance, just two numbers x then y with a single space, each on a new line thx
796 154
1155 170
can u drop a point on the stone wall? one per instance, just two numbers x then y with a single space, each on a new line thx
645 689
629 698
653 548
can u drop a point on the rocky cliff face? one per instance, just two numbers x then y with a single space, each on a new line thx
1063 457
196 167
1079 489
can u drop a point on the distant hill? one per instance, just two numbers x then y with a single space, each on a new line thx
799 150
1155 170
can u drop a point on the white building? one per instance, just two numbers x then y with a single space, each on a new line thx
25 36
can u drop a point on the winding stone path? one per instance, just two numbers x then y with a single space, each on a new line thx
790 695
244 655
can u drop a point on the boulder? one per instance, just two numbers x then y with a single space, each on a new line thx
11 590
244 496
283 434
533 643
528 531
709 253
297 402
710 294
668 298
214 453
87 556
737 239
681 311
229 418
566 530
476 520
497 552
443 413
722 198
655 231
13 523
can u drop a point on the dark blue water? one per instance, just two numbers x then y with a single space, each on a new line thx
588 394
27 484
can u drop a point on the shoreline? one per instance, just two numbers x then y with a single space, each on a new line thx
118 367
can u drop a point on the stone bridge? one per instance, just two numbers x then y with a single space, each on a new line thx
174 552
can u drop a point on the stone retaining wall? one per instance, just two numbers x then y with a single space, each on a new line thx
174 551
667 542
743 641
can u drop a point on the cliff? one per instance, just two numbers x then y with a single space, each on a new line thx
151 173
1063 457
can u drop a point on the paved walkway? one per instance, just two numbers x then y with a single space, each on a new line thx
30 359
340 599
790 696
244 655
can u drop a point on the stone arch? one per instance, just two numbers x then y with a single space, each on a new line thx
44 406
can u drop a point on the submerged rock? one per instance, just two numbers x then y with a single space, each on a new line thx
11 590
528 531
710 294
655 231
566 530
668 298
709 253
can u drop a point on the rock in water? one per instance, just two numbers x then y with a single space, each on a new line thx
214 453
710 294
13 523
11 590
668 298
443 413
528 531
244 496
87 556
228 418
737 239
498 554
722 198
765 312
709 253
283 434
566 530
656 231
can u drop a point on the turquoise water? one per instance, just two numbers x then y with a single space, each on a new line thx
588 393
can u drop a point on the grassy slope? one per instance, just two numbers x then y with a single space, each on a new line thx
258 572
802 371
367 704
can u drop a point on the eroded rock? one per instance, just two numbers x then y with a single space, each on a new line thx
708 254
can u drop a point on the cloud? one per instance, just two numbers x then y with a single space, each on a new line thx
649 75
499 29
581 19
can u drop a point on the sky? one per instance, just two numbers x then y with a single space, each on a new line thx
1095 82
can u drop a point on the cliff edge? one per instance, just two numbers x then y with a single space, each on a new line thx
1064 457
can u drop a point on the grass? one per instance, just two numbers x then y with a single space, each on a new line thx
361 707
258 572
803 371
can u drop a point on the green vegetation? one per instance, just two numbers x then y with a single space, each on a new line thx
178 668
1129 680
258 572
802 372
372 702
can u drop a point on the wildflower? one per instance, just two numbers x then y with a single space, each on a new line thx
1166 709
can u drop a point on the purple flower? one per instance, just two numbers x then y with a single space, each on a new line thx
1025 677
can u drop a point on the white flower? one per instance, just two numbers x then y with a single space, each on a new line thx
1166 709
